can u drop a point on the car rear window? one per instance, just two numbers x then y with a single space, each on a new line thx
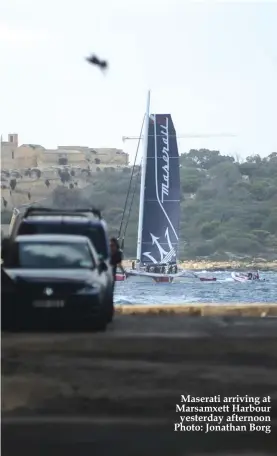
96 234
54 255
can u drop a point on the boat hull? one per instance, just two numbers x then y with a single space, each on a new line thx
242 278
207 279
120 277
142 276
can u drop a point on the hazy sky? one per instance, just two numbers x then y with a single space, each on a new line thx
213 66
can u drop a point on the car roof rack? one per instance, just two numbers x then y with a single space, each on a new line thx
41 210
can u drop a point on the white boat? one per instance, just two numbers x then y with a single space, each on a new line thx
159 277
181 276
159 211
245 277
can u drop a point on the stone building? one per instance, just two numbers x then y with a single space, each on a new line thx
14 156
7 149
56 157
104 156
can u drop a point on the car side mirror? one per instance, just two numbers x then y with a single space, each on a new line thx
102 267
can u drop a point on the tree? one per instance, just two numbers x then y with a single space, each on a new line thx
261 234
254 159
263 189
126 170
226 172
248 169
223 213
209 230
5 202
244 245
13 183
65 176
270 223
206 193
221 242
206 159
191 179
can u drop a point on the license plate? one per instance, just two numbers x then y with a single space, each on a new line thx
49 304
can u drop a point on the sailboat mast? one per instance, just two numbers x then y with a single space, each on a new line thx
143 174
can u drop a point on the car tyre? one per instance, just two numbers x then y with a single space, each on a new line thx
109 309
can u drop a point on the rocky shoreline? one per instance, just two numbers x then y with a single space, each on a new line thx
231 265
206 265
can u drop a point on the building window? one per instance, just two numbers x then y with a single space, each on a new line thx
97 161
13 155
62 161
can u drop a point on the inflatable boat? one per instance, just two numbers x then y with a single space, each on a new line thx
247 277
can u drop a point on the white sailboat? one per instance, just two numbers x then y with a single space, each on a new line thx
159 211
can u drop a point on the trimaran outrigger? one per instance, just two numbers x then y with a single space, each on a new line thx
159 210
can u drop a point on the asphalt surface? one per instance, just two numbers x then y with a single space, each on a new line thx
117 440
116 393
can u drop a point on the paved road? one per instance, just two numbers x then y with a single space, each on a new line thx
172 326
115 393
128 440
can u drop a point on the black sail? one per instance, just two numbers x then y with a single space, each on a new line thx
160 231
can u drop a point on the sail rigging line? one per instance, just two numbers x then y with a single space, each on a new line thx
131 205
130 182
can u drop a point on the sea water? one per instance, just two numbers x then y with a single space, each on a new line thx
224 290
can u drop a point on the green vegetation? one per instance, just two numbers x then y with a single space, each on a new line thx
227 207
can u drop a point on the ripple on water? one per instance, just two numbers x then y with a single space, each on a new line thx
225 290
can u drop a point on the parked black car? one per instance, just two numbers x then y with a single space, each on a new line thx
85 222
53 280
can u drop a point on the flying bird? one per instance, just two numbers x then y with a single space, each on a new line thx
93 60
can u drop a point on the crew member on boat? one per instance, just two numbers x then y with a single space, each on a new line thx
162 268
253 276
